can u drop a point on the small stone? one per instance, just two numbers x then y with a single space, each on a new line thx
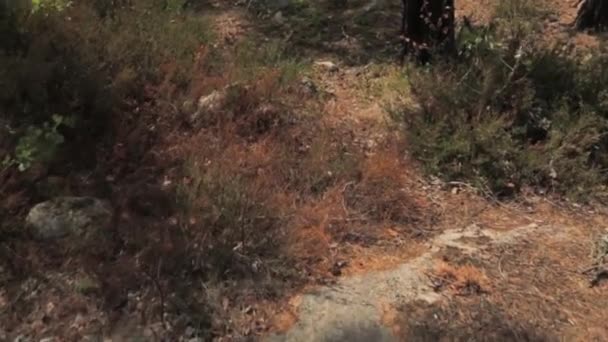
278 18
209 103
50 307
63 216
78 322
309 85
189 332
336 270
327 65
215 101
48 339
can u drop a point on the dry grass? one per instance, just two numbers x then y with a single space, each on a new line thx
462 280
541 280
464 319
533 290
330 200
307 176
384 193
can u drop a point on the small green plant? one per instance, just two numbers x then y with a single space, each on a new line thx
253 59
175 5
57 5
39 143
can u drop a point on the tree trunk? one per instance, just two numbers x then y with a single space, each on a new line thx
592 14
427 27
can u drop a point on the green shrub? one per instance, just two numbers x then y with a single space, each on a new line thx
39 143
510 112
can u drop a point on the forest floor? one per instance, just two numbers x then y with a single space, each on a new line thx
389 254
490 271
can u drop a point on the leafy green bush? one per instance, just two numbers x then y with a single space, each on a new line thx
510 112
39 143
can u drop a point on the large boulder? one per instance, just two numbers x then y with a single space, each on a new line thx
69 216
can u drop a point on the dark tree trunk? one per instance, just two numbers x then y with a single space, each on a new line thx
593 14
427 27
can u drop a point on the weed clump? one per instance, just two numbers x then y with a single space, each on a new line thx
463 280
232 221
382 195
510 112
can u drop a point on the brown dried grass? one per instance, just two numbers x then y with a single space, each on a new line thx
462 280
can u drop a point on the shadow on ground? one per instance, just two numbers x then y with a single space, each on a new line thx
465 320
357 32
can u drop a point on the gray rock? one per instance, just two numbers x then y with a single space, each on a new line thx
327 65
209 103
278 18
63 216
212 101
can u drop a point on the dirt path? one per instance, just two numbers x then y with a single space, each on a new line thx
352 310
